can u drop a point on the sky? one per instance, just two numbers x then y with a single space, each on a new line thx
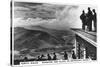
48 15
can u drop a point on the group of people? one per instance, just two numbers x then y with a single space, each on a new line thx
42 57
88 18
55 56
48 57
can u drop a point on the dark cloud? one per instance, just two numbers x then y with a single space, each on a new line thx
26 3
34 10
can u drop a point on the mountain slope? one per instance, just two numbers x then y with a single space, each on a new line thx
27 40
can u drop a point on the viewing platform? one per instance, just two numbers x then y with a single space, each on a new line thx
86 44
89 36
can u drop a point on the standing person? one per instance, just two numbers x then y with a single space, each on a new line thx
73 55
25 59
54 57
42 57
49 57
95 20
38 58
65 55
83 19
89 19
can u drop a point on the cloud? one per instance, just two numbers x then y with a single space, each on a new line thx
44 11
20 22
35 15
17 8
64 16
69 16
65 19
16 52
49 15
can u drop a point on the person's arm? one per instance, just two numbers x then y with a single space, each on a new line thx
81 16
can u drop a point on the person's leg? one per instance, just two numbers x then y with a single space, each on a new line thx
83 26
90 25
87 27
95 26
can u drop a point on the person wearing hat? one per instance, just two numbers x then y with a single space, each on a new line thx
83 19
89 20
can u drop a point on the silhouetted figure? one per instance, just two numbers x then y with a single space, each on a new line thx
95 20
54 57
73 55
38 58
41 58
49 57
83 19
25 58
65 55
89 19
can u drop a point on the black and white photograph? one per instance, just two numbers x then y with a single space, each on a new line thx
52 32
